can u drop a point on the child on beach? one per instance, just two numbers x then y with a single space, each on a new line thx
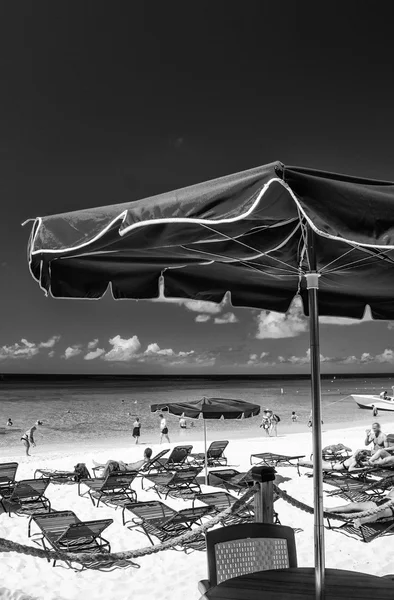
266 423
294 417
375 411
136 430
163 429
28 437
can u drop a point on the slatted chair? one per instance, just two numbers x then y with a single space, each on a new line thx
176 460
157 520
7 475
114 490
153 464
65 532
180 484
247 548
26 497
215 455
219 501
231 479
367 532
355 491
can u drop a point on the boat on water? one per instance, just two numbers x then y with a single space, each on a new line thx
369 401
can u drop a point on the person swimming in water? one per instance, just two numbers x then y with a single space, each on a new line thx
9 423
28 437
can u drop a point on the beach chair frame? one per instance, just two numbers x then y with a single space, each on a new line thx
367 532
63 531
231 479
270 459
180 484
28 495
55 475
219 501
156 519
114 490
215 455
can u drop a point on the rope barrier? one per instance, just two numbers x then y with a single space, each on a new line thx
81 558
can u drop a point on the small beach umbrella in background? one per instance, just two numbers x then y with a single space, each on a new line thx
209 408
265 235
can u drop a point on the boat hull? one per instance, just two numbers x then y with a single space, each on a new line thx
367 401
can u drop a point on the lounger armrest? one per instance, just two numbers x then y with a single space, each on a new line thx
203 586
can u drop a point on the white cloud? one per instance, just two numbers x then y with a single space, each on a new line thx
93 344
94 354
200 306
123 349
22 350
226 318
51 342
71 351
202 318
155 349
304 360
276 325
51 354
253 357
386 357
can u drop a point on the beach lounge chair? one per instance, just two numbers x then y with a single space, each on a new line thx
367 532
274 460
63 531
231 480
58 477
27 495
114 490
157 520
219 501
180 484
248 548
7 474
176 460
362 491
215 455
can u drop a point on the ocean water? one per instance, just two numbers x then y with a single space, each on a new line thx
84 410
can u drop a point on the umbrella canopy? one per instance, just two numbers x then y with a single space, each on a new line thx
265 235
210 408
244 234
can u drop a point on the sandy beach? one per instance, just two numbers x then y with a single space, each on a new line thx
167 574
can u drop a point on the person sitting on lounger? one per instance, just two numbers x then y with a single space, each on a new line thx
376 437
118 465
357 507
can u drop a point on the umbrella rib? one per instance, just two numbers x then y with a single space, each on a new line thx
377 256
229 238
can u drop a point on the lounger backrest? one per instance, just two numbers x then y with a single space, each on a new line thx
116 480
179 454
390 439
247 548
55 521
7 473
216 449
154 459
151 511
84 530
187 475
29 488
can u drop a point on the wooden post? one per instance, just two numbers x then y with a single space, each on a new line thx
264 496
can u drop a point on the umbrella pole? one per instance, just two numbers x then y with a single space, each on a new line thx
313 285
205 453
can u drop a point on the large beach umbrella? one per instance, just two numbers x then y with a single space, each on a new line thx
210 408
265 235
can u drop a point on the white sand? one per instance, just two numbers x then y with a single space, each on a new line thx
167 574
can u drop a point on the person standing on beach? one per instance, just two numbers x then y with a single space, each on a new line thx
136 430
28 437
163 429
266 423
294 417
182 423
274 423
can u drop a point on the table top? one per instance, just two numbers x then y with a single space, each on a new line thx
299 584
276 456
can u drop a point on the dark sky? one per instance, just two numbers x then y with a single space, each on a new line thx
106 102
